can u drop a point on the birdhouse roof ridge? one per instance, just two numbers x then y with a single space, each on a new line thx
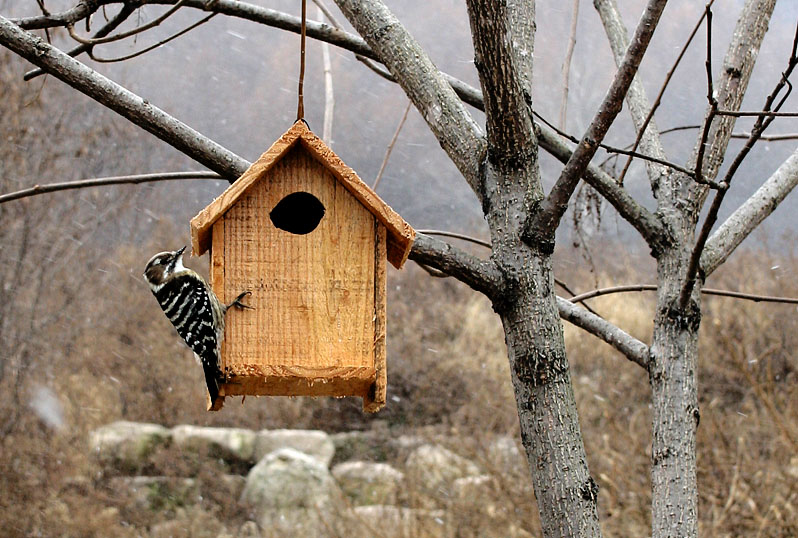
400 233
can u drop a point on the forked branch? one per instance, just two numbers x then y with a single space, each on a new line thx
762 123
554 206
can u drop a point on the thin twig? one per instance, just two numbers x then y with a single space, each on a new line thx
300 107
713 103
613 149
762 123
760 114
391 145
456 235
139 29
662 89
327 13
96 58
741 135
329 94
566 63
46 13
97 182
119 18
706 291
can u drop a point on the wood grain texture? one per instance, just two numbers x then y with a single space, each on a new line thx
400 233
376 396
313 295
216 281
271 380
216 272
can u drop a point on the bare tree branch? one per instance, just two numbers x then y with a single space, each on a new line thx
749 215
329 95
458 133
706 291
566 63
503 53
482 243
632 348
75 14
124 102
760 114
621 151
636 99
110 26
152 47
646 223
480 275
745 135
103 181
731 85
650 116
135 31
391 144
759 127
713 107
554 206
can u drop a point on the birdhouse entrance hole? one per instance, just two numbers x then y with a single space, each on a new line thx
298 213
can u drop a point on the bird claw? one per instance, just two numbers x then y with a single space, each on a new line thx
237 302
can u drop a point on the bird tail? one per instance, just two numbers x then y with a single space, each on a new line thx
212 379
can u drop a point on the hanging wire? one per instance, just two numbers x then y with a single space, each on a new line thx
300 110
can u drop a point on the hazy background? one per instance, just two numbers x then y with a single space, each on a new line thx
235 82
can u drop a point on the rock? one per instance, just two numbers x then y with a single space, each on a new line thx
792 469
290 493
362 445
504 455
249 529
393 522
311 442
368 483
471 488
233 445
287 478
432 469
404 445
158 493
126 446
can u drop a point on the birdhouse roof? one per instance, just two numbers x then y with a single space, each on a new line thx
399 233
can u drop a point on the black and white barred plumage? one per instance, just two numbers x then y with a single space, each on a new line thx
193 309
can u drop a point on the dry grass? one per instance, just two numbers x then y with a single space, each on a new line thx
448 381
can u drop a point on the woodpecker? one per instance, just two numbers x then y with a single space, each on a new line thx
193 309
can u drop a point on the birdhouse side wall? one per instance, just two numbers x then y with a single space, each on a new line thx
313 294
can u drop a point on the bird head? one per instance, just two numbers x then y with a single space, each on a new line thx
162 266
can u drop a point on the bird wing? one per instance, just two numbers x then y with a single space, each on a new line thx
187 303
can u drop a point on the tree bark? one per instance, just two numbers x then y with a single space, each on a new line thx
547 413
503 36
674 349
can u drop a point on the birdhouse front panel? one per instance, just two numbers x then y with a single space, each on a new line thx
307 250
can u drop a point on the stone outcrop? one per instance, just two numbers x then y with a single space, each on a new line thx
282 480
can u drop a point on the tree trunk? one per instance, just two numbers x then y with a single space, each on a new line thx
565 491
672 371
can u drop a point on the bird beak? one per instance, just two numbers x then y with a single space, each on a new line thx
179 252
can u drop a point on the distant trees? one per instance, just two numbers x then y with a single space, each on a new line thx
500 162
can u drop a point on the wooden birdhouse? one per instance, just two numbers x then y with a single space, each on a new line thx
309 239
